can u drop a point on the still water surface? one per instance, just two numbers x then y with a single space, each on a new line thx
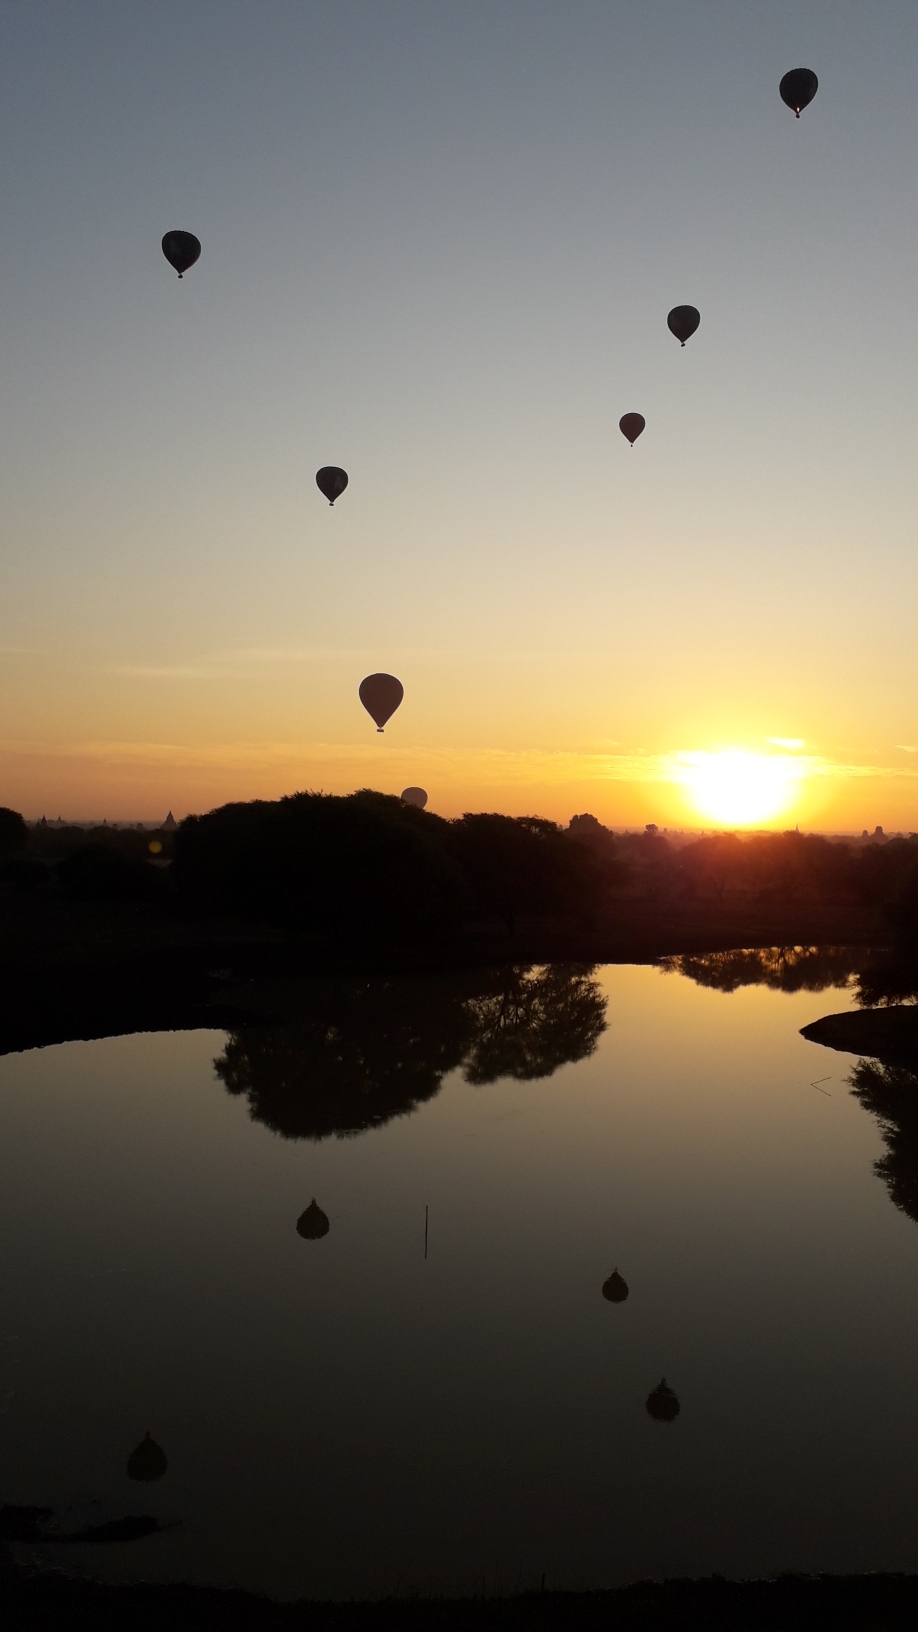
345 1416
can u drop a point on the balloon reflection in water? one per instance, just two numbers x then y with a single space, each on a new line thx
662 1403
147 1461
615 1289
313 1224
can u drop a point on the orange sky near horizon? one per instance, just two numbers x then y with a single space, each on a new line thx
133 781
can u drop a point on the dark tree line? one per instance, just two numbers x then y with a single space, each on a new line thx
365 866
764 868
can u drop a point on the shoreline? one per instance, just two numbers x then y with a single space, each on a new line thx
74 972
37 1599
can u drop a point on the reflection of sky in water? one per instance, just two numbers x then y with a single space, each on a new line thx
340 1416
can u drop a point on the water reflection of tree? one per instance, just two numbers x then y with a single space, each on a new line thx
891 977
890 1093
362 1052
359 1053
784 968
537 1023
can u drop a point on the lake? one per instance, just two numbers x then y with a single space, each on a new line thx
375 1409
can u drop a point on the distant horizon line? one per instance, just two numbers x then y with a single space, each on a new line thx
622 829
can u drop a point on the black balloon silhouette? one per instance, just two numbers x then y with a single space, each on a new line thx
683 321
797 89
181 250
313 1224
147 1461
662 1404
631 425
615 1289
381 695
331 481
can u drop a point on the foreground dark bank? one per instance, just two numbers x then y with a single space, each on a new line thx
127 930
854 1603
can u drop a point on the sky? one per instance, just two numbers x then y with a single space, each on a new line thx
440 240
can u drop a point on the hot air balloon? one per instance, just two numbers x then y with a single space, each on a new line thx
615 1288
414 796
331 481
683 321
147 1461
662 1404
181 250
797 88
381 695
313 1224
631 425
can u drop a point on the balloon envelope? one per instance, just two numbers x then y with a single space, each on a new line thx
181 250
615 1289
331 481
631 425
414 796
381 695
683 321
147 1461
662 1403
313 1224
797 88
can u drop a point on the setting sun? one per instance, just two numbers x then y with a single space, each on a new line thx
739 788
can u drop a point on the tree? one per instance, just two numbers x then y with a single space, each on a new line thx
13 831
523 864
363 865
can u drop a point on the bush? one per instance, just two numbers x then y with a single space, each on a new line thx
24 872
95 872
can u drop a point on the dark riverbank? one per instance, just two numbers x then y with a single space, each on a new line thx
75 970
45 1601
888 1034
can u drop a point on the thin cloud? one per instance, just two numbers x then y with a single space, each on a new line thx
360 760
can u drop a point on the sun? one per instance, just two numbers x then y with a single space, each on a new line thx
738 788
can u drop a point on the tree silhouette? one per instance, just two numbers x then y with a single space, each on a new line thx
515 865
13 831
